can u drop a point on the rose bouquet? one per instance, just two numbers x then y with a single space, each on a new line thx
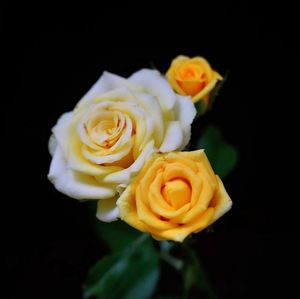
126 146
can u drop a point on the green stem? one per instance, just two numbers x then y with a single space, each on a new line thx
203 281
165 255
176 263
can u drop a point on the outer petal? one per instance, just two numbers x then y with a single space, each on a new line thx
52 144
180 233
61 131
170 73
107 210
185 110
208 88
75 184
221 201
185 113
127 208
105 83
173 137
154 83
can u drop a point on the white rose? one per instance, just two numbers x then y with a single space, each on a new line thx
102 144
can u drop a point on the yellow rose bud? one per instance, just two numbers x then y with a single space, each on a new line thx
193 77
174 195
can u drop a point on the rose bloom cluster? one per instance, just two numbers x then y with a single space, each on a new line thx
122 146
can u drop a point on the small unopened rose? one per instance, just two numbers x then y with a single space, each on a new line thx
102 144
174 195
193 77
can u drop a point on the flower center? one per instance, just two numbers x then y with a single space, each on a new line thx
106 129
177 193
191 78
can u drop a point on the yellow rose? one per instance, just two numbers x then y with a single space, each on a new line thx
174 195
193 77
103 143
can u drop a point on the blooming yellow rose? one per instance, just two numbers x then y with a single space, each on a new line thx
193 77
102 144
174 195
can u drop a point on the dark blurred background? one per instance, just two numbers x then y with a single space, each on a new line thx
51 62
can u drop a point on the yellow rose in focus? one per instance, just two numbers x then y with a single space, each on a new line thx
101 145
174 195
193 77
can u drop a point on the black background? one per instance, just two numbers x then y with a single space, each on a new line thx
52 62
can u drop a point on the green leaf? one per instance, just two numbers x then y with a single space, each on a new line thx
222 155
103 276
129 274
227 160
117 235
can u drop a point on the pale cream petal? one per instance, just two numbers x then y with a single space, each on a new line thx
101 157
105 83
52 144
185 113
173 137
78 162
154 83
124 176
75 184
107 210
152 107
185 110
61 131
126 135
121 94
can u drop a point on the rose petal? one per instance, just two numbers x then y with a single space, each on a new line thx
61 131
127 209
107 210
208 88
103 158
178 234
75 184
146 215
154 83
105 83
123 176
185 110
151 105
52 144
222 200
77 162
173 137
